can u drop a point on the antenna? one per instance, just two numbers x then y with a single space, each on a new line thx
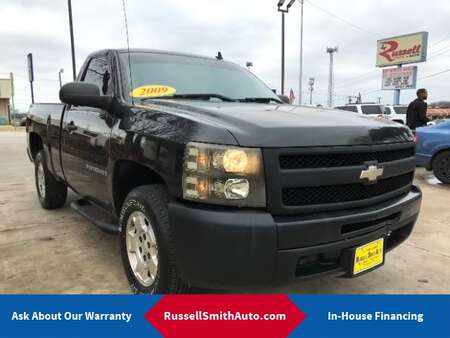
128 47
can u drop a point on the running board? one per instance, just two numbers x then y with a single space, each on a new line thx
96 215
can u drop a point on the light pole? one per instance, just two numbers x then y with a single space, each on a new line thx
311 88
13 107
72 43
31 74
283 11
59 75
300 76
331 51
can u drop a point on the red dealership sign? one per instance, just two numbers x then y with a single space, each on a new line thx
410 48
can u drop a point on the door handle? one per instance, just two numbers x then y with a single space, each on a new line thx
71 127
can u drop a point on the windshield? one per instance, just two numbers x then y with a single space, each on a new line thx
185 75
371 110
400 110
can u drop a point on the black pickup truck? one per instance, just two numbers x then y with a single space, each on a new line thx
212 181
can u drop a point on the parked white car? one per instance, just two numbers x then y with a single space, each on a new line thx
396 113
372 109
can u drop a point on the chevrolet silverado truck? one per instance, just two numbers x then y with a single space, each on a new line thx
211 181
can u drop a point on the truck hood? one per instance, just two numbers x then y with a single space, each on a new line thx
272 125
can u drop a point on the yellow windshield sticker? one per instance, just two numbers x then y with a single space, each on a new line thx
153 91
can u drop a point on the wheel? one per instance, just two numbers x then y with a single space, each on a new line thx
146 242
441 166
51 192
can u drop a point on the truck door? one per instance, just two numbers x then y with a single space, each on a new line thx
85 139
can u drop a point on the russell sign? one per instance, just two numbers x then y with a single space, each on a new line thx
398 50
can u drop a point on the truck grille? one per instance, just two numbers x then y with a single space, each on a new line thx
300 161
344 192
317 179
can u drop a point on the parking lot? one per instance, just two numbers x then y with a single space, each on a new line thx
61 252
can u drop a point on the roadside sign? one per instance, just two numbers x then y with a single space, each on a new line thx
399 78
403 49
30 67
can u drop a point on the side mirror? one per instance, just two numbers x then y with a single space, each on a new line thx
84 94
284 98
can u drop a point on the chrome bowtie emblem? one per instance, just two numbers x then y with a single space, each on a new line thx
372 173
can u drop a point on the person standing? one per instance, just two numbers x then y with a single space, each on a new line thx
416 115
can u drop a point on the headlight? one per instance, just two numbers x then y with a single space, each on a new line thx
224 175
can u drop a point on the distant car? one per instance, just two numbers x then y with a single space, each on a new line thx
396 113
435 122
433 149
371 109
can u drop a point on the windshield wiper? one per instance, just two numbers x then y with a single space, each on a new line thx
260 99
191 96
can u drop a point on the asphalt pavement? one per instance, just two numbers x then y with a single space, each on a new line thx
61 252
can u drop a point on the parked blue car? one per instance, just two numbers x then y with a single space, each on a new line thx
433 149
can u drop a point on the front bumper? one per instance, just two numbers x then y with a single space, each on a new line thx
225 248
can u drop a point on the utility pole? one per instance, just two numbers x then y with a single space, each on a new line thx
11 76
59 75
283 11
300 85
72 43
397 93
311 88
331 51
31 75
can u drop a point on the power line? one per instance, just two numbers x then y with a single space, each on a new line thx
371 91
356 79
341 19
435 52
438 42
435 74
422 78
439 52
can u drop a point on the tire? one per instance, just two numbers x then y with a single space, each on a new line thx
51 192
146 240
441 166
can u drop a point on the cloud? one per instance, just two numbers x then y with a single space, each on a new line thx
242 30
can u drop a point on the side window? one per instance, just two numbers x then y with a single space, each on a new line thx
371 110
98 73
387 111
349 108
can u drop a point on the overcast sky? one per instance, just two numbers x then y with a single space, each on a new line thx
242 30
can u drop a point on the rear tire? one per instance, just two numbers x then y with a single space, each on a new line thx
441 166
51 192
146 242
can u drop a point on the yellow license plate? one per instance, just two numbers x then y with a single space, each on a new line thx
368 256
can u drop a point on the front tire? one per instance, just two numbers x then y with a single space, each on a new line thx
51 192
441 167
146 242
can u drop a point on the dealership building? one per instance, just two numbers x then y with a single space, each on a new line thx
5 96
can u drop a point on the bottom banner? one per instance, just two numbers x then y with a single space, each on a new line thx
225 316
